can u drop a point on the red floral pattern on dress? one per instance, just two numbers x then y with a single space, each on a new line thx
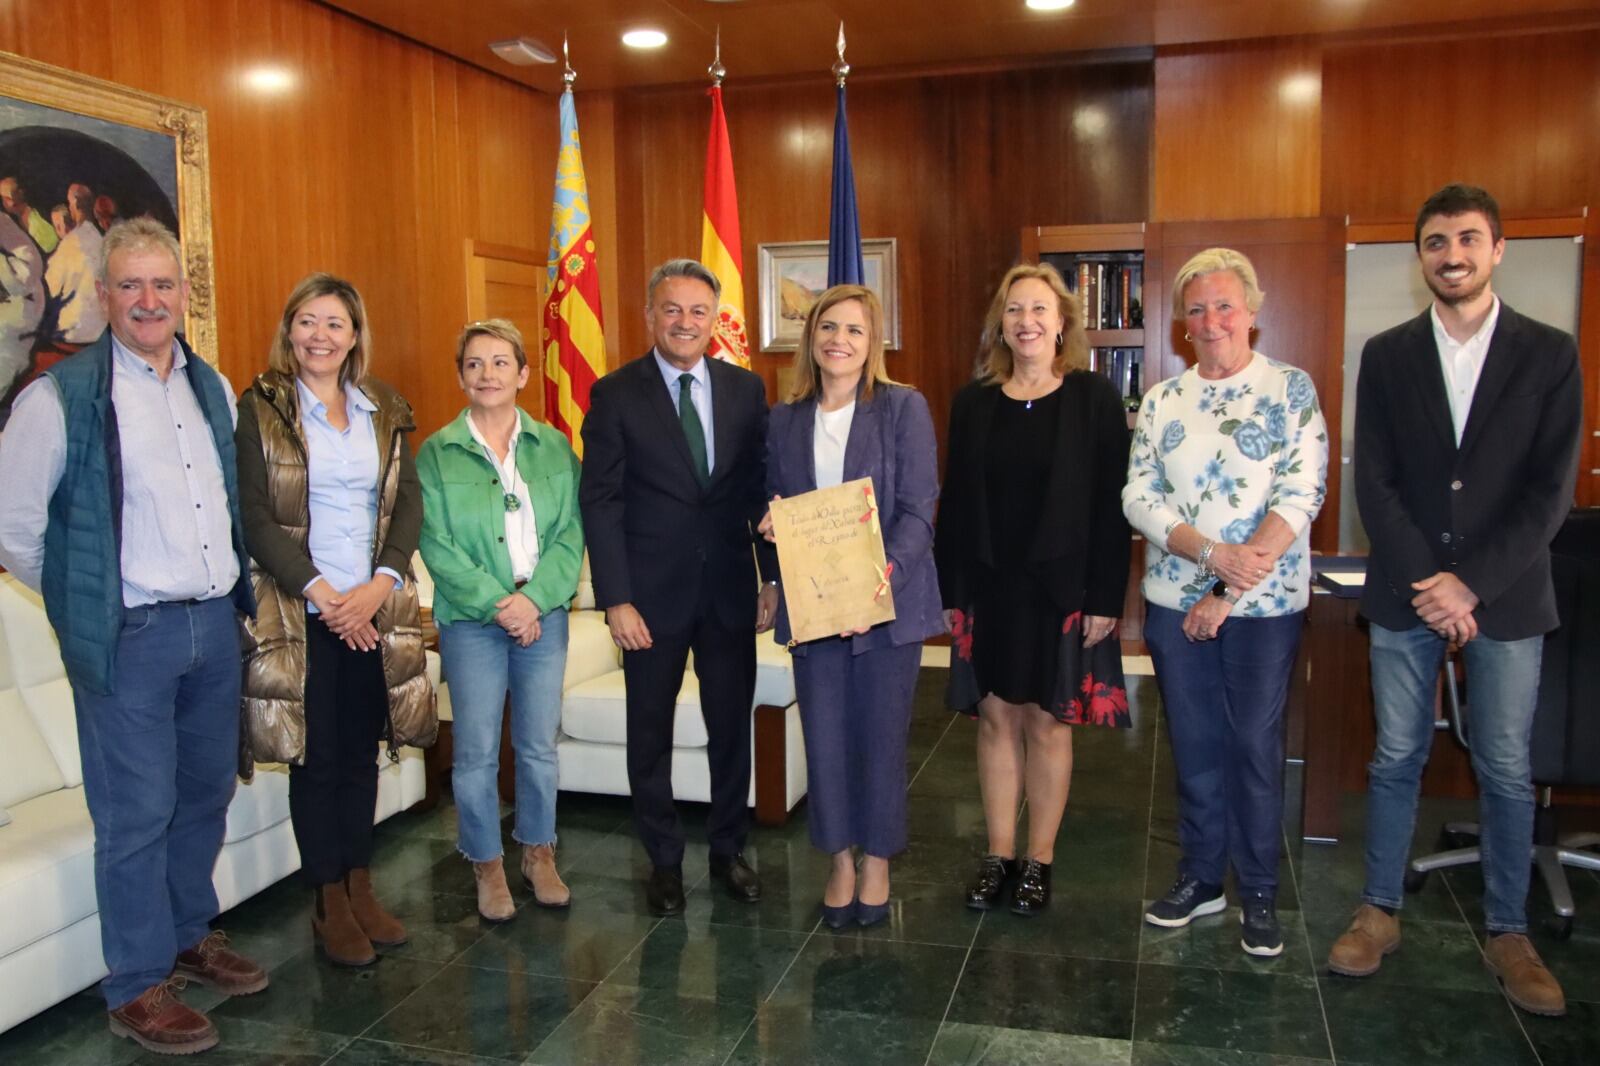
961 634
1099 703
1071 622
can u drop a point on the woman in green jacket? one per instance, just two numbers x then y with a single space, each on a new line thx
503 539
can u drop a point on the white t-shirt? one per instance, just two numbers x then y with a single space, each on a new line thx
833 433
522 532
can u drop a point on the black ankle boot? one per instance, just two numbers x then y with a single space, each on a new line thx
1032 893
992 877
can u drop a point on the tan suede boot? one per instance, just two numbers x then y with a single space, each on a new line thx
494 898
539 874
381 927
336 929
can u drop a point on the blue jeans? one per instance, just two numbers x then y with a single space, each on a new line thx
159 758
1503 690
1224 704
482 662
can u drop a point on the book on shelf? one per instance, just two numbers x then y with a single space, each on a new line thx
1124 367
1111 285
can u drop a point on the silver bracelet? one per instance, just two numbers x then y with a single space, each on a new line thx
1203 560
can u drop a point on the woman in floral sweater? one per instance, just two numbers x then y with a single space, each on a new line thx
1228 468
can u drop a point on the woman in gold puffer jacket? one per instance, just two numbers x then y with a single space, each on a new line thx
334 659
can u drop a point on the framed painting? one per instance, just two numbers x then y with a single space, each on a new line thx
77 153
793 274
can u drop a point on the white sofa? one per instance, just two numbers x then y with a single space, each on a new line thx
592 746
50 932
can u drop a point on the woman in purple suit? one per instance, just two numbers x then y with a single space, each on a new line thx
842 420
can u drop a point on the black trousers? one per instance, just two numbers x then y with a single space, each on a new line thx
333 797
725 663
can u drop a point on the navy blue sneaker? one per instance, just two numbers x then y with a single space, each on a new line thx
1259 917
1185 901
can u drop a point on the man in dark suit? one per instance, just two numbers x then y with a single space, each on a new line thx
674 476
1468 422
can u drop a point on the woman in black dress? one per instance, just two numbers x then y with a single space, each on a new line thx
1032 552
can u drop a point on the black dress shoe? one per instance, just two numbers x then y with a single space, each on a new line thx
985 888
1032 893
663 893
743 883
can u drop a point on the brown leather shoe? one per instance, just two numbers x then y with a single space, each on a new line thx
494 898
381 927
336 929
157 1021
1528 984
539 874
1360 950
214 964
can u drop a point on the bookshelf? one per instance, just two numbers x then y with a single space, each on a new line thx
1105 266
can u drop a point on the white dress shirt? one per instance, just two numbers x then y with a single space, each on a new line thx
828 443
177 532
1462 362
522 531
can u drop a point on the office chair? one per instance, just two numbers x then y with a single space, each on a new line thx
1565 746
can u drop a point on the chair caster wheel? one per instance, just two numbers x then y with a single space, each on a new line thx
1415 879
1558 927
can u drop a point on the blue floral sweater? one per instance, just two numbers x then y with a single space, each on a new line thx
1219 455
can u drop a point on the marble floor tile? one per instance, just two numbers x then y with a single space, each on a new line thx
1440 1025
1232 1010
1079 997
308 992
489 1013
624 1025
798 1034
961 1044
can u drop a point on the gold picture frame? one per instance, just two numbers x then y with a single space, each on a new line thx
792 274
120 122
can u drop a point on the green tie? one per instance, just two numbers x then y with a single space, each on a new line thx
693 430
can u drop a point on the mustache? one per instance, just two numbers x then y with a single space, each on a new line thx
141 314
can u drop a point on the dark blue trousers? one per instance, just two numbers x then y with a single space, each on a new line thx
1224 706
159 758
856 712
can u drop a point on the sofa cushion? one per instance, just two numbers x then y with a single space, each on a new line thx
57 721
46 868
590 651
774 673
27 766
26 635
597 710
261 804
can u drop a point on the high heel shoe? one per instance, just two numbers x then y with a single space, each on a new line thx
838 917
871 913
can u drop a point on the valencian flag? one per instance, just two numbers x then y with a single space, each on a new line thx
844 227
574 338
719 241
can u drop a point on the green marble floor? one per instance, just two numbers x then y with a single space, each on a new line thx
1086 982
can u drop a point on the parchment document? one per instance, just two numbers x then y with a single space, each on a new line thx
830 549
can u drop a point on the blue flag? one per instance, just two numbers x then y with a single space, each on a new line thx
844 226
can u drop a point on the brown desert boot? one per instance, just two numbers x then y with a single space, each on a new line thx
158 1021
1360 949
381 927
336 929
494 898
539 874
1528 984
214 964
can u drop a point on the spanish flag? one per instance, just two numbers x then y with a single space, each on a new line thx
719 241
573 334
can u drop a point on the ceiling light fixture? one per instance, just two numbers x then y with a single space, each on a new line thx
523 51
1050 5
644 38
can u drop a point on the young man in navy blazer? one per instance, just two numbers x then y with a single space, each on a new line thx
1468 423
674 482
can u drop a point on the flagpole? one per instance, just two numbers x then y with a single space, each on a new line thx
845 266
721 246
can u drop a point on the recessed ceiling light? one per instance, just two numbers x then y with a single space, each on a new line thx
1050 5
523 51
644 38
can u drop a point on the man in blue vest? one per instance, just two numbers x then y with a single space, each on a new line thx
122 509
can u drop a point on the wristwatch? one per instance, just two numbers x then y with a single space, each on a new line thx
1220 590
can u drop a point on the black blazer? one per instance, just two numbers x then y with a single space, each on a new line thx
1080 550
656 538
1486 510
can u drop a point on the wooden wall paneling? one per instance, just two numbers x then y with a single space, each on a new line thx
1298 261
1238 131
1588 491
951 167
374 162
1521 120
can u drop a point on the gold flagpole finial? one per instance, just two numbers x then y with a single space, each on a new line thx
568 75
716 69
841 69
